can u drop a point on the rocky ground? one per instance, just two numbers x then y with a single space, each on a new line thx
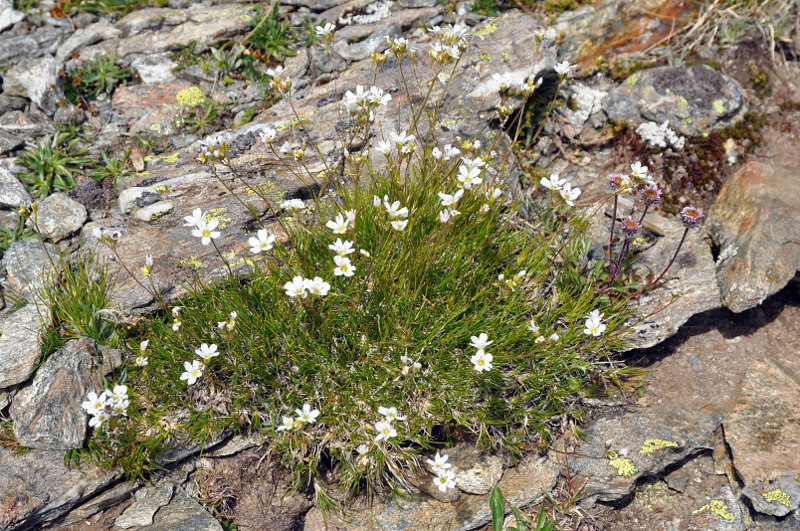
708 437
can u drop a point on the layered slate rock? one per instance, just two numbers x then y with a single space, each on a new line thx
755 222
148 501
36 487
19 343
763 432
694 99
183 513
47 413
28 264
58 216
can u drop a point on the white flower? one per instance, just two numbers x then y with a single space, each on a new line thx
307 415
638 171
275 72
563 68
324 31
394 209
450 152
570 194
436 153
288 424
94 403
399 225
176 325
343 266
554 337
496 192
593 325
446 480
376 201
384 430
447 214
97 420
342 248
439 463
339 225
192 372
405 143
267 134
390 414
384 147
477 162
195 218
296 287
317 286
482 361
533 327
350 216
205 231
450 199
294 205
469 177
148 265
480 341
176 311
141 361
409 365
553 184
119 393
263 242
207 351
143 345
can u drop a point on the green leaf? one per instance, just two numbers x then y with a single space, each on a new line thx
497 504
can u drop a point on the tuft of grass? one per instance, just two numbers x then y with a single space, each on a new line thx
10 235
98 76
52 165
113 168
271 36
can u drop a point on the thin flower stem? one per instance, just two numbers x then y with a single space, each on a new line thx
683 238
643 214
611 262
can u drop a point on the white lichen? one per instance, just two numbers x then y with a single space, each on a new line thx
372 13
660 135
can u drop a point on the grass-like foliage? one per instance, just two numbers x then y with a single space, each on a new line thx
389 315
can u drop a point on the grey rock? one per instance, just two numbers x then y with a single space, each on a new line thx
763 432
37 487
35 79
19 343
105 500
58 216
9 142
12 192
8 15
376 42
148 501
69 113
726 513
41 42
111 358
475 473
236 444
314 5
47 413
416 3
27 264
91 34
154 68
5 397
183 513
11 103
154 211
694 99
755 221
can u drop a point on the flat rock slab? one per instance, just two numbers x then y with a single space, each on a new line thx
19 343
522 485
47 412
34 78
36 487
183 513
59 216
763 432
756 224
28 264
148 501
694 99
13 193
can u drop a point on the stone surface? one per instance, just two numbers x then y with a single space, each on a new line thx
8 15
12 192
83 37
475 473
183 513
694 99
755 222
34 78
47 413
36 487
522 485
19 343
99 503
148 501
59 216
28 265
763 432
154 68
43 41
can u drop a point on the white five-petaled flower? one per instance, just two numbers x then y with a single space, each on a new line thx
207 351
342 248
447 214
450 152
205 231
275 72
409 365
195 218
563 68
287 424
143 346
263 241
97 420
325 31
384 147
390 414
393 209
553 183
192 372
436 153
307 415
469 176
317 286
482 361
594 326
399 225
450 199
338 225
445 480
480 341
294 205
477 162
141 361
533 327
94 403
638 171
296 287
343 266
384 430
267 134
570 194
554 337
439 463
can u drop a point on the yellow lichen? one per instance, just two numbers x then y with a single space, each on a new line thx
489 28
216 213
633 79
779 496
161 189
485 57
719 106
230 255
156 216
190 96
193 261
651 445
155 127
717 507
294 122
505 56
625 467
170 158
